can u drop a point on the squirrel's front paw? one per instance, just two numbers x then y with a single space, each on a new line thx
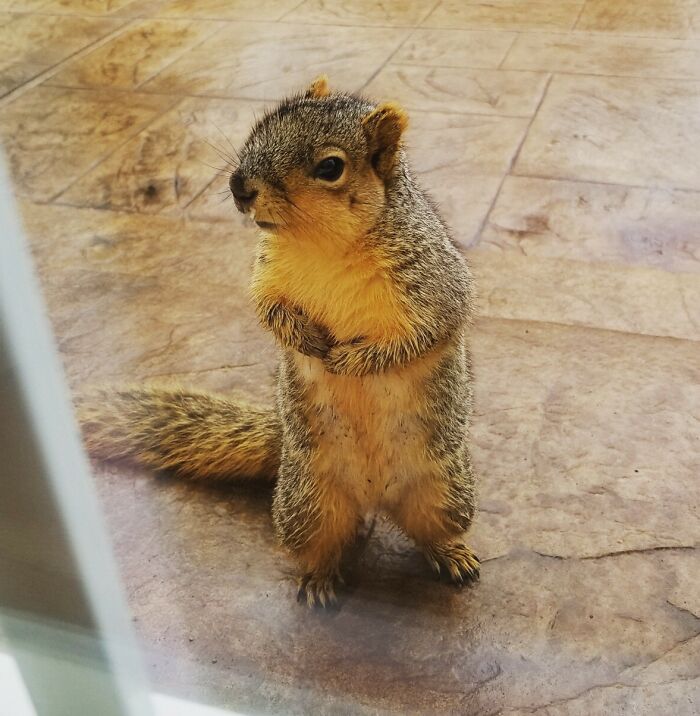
345 359
314 339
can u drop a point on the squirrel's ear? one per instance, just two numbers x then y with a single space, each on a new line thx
319 88
383 128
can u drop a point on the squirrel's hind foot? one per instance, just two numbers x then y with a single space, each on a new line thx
458 561
318 590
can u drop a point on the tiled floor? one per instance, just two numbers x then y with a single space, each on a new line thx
561 140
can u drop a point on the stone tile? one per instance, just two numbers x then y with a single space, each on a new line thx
582 450
610 296
136 55
359 12
655 18
605 55
268 61
460 160
20 5
226 10
455 48
540 218
100 265
82 7
51 136
619 130
48 39
168 164
460 90
505 14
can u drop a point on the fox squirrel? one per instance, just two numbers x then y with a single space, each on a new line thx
357 279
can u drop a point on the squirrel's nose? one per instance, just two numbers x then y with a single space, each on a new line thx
243 194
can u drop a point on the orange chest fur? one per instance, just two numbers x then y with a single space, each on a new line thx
348 291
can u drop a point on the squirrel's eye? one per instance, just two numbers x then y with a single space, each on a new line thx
329 169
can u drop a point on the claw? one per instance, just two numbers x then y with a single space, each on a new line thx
461 563
317 590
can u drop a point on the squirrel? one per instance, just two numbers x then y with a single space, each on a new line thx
358 280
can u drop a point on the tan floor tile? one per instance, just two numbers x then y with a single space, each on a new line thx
619 130
662 18
604 55
51 135
445 89
505 15
164 167
21 5
100 266
226 10
455 48
84 7
136 55
48 39
620 298
360 12
263 61
460 160
584 439
540 218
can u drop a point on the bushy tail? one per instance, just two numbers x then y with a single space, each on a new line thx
196 434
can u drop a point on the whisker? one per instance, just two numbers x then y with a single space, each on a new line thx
230 143
230 162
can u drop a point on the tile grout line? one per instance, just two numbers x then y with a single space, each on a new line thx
586 326
56 68
421 24
218 26
540 71
472 29
396 49
157 116
621 185
291 10
563 32
511 164
578 17
508 51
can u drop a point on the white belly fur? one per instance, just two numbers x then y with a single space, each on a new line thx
368 430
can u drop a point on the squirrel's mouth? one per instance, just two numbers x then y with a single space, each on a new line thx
265 224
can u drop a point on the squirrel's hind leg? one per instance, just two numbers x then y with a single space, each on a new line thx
314 519
436 511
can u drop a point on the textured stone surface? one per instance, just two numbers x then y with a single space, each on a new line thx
262 61
619 225
629 299
593 128
455 48
445 89
582 220
655 18
30 44
603 54
506 14
136 55
360 12
51 135
170 163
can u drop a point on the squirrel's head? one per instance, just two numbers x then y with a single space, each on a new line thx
319 163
